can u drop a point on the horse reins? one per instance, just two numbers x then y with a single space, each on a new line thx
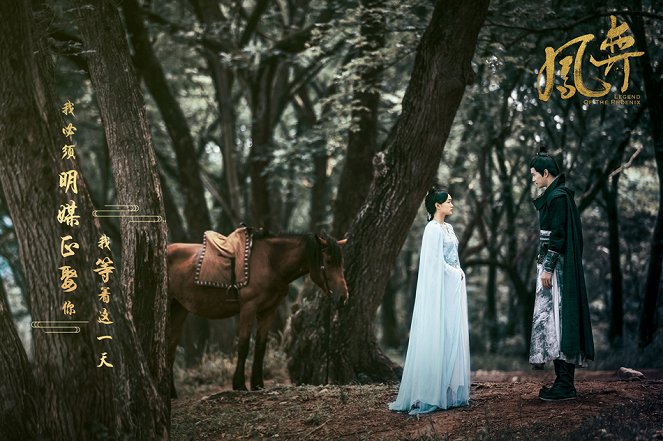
323 273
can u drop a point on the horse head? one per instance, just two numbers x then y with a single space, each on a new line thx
327 267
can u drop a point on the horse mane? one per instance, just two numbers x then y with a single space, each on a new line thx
314 247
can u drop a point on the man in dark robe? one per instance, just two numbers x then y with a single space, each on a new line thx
561 327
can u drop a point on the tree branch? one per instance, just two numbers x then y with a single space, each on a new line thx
252 23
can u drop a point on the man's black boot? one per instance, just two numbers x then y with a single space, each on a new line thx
563 389
556 364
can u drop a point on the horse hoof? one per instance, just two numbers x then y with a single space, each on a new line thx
240 387
258 387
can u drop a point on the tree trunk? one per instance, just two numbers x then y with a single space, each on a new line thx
9 252
356 176
195 208
194 339
143 276
509 204
486 173
267 88
390 332
173 219
29 135
616 278
196 330
319 190
653 285
525 291
491 308
78 400
523 306
18 414
402 174
210 15
410 288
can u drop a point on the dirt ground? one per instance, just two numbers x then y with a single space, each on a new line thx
503 406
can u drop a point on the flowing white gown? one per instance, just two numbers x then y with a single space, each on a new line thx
436 374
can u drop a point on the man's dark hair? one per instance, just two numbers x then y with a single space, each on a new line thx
543 161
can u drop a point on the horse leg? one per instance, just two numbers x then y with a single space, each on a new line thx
264 325
177 316
247 316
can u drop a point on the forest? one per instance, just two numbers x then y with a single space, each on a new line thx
309 116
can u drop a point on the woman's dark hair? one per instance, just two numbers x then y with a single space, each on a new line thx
434 196
543 161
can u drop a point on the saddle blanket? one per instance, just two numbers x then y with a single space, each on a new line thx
224 260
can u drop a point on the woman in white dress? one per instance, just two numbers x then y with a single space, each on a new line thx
436 374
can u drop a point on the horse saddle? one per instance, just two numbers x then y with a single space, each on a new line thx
224 260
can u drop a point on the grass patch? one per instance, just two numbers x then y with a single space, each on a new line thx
216 370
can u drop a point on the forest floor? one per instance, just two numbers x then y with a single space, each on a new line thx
503 406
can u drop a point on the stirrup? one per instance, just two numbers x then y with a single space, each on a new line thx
229 298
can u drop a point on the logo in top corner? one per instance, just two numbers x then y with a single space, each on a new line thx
616 47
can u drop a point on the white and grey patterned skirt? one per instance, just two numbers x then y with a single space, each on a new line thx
547 326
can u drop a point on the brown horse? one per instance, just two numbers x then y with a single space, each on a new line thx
275 262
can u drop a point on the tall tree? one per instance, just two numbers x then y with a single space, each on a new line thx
18 414
30 138
267 83
143 276
150 69
357 175
402 174
196 212
615 331
80 400
655 106
270 87
307 119
216 25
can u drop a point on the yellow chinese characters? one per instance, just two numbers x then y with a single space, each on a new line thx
68 151
103 362
68 108
104 242
67 276
68 181
67 249
614 40
67 214
103 317
69 130
104 295
104 268
68 308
